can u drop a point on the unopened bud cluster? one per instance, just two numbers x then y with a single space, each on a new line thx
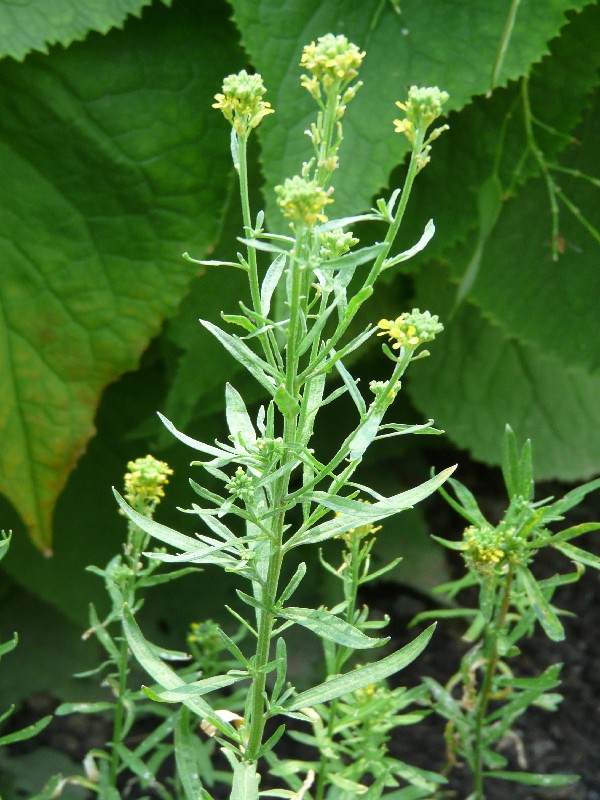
486 548
303 201
335 243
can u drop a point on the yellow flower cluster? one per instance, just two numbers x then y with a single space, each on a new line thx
424 106
332 61
303 201
486 547
411 329
241 101
145 482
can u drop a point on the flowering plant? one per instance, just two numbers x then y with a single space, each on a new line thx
274 482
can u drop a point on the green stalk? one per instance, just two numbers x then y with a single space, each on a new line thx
351 592
248 231
268 593
490 650
117 736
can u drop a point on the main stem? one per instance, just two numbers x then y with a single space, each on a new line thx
268 590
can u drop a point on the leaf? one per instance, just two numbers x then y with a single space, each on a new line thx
110 192
238 419
327 626
362 676
26 733
165 676
578 555
352 514
479 378
185 758
533 779
419 46
258 368
36 24
546 616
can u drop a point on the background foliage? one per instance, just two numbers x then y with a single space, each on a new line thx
114 164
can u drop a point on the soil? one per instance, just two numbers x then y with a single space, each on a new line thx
566 741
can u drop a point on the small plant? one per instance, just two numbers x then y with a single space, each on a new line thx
277 493
6 647
485 697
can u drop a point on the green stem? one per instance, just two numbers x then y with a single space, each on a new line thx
350 592
490 650
117 736
268 591
249 232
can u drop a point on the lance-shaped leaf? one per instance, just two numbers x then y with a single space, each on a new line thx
541 607
533 778
258 368
363 676
164 675
238 419
327 626
352 514
416 248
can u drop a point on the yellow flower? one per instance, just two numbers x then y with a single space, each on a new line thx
411 329
145 482
241 101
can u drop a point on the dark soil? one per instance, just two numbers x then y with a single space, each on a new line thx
567 741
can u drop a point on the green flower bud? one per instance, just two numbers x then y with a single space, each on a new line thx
303 201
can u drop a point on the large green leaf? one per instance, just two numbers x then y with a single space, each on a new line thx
112 167
478 379
419 45
35 24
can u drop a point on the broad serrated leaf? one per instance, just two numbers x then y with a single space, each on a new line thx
103 188
37 24
418 46
478 379
363 676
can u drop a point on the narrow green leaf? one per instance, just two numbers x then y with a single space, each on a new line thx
10 645
546 616
352 513
165 676
26 733
269 284
161 532
416 248
354 259
185 758
258 368
352 387
363 676
238 419
533 778
578 555
83 708
327 626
